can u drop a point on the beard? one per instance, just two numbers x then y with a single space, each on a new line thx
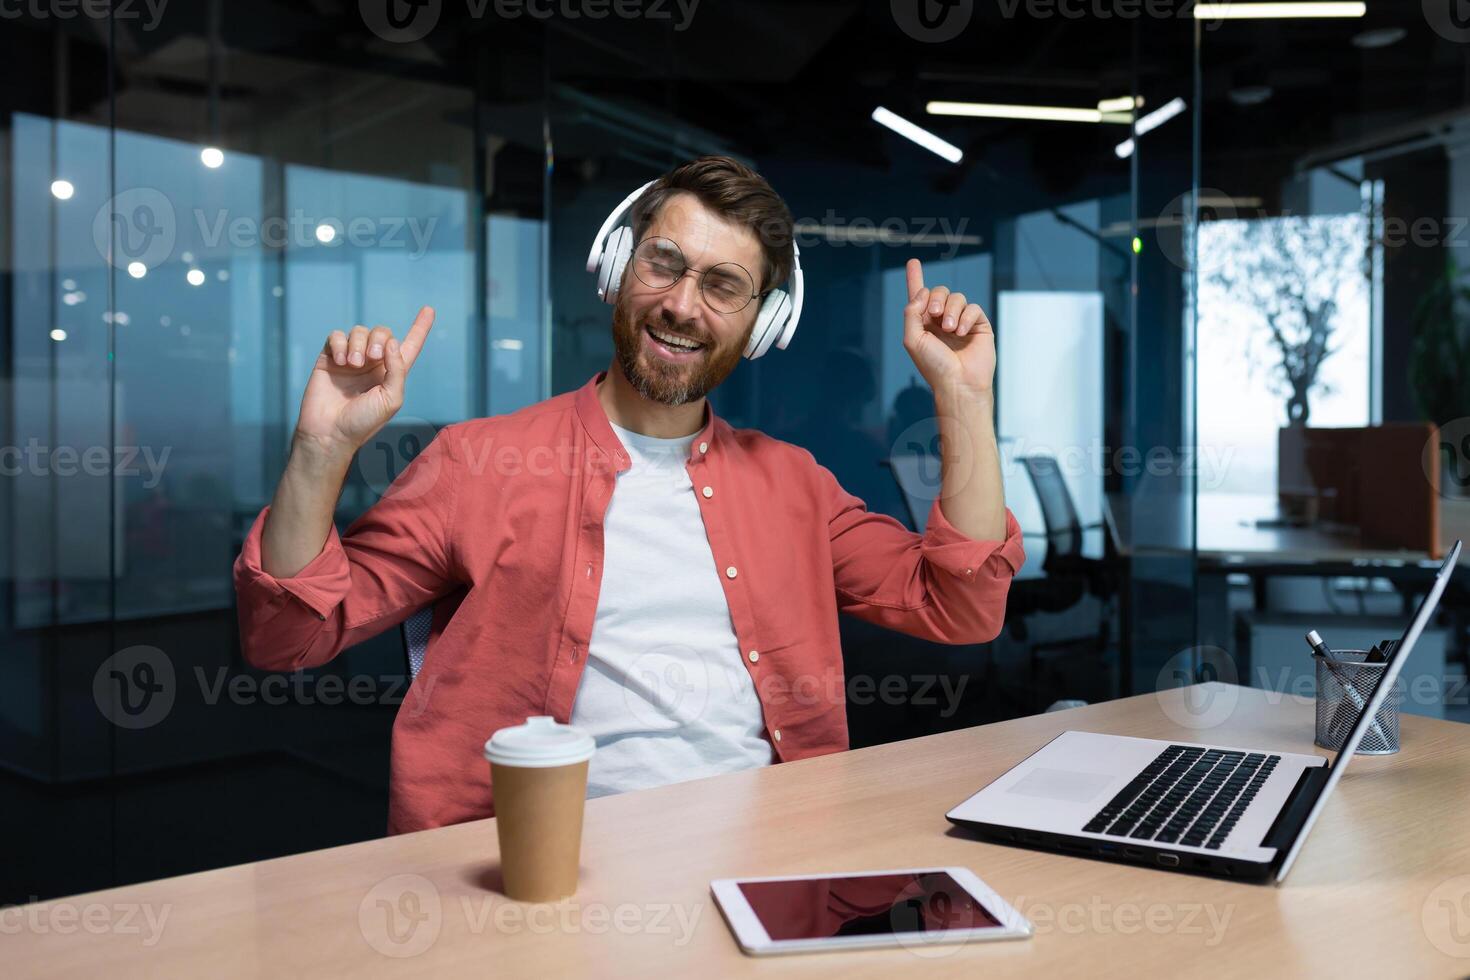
664 381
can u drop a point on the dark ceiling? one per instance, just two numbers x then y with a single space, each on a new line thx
766 76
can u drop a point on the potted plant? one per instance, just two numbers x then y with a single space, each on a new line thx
1439 369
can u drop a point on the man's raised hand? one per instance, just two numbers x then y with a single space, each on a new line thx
357 385
949 339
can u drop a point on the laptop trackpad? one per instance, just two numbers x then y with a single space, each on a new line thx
1062 784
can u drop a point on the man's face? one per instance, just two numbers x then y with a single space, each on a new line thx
660 370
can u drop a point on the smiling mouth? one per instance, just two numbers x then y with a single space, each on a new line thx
672 342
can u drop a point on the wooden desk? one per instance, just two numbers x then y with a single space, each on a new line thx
1364 900
1226 533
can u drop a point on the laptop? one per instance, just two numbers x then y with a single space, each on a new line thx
1185 806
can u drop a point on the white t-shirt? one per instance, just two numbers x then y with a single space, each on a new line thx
664 691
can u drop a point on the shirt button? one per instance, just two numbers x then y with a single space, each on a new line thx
776 734
754 656
704 447
730 572
708 492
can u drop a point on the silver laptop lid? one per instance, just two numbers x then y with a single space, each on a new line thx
1380 693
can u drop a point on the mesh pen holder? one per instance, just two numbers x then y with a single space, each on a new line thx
1344 684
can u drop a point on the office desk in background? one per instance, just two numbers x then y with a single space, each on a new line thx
1229 532
1375 893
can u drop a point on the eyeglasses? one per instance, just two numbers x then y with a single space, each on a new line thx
726 288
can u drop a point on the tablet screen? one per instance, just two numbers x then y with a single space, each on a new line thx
864 905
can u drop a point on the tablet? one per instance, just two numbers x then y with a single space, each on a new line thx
913 908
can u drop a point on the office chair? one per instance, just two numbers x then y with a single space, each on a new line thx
1069 575
416 639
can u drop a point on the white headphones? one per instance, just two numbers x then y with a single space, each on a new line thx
609 257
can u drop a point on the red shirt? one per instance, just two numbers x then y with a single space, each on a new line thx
498 525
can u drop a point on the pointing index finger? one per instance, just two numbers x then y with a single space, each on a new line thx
417 334
915 276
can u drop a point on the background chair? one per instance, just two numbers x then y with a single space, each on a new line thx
416 639
1069 578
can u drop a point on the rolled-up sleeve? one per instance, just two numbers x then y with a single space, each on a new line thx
393 560
940 586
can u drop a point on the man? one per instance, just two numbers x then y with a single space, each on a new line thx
617 557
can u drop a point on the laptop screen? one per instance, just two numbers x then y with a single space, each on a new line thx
1375 701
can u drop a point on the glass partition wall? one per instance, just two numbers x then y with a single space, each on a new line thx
1330 331
190 203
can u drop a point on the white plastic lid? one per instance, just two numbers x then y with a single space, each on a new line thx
539 744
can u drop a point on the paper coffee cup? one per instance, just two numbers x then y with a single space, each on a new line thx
539 775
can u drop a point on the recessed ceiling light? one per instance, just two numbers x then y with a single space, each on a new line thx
1044 113
62 190
1279 11
1251 94
918 134
1379 37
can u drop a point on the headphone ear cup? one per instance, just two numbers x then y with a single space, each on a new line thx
769 323
612 264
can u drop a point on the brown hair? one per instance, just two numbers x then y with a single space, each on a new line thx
737 193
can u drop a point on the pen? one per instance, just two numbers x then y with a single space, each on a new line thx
1320 649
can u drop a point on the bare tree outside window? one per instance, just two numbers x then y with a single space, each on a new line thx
1292 277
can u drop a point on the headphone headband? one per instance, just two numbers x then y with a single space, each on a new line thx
779 313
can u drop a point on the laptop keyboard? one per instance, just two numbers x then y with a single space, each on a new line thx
1188 795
